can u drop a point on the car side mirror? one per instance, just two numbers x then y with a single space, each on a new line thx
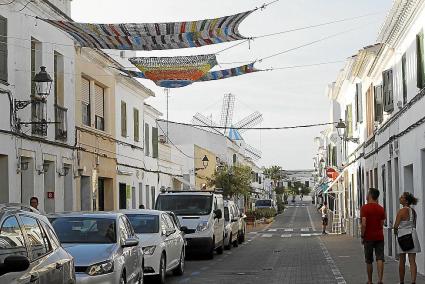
218 214
14 263
184 229
130 242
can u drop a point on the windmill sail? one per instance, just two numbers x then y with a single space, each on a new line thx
199 119
227 111
249 121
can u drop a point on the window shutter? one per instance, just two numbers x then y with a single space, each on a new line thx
123 119
3 49
99 101
85 91
388 90
403 75
420 60
378 104
136 124
154 142
359 103
349 119
147 139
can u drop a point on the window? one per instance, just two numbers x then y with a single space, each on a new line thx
148 206
349 120
147 140
85 101
388 90
58 78
379 104
123 233
38 116
35 61
153 196
38 240
144 223
11 239
136 124
403 77
370 108
99 104
359 103
123 119
420 60
154 142
3 49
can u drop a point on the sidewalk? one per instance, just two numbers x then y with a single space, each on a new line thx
347 253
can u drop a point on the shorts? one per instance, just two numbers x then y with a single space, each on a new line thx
378 247
325 221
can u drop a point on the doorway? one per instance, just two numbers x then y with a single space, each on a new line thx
122 196
49 187
408 178
101 193
4 179
68 190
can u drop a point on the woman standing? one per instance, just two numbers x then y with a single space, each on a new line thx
405 224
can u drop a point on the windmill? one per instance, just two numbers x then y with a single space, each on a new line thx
227 128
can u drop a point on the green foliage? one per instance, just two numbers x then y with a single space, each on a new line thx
235 180
262 213
274 173
280 190
280 204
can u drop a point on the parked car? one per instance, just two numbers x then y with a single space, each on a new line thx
104 246
242 224
265 203
201 212
30 251
231 225
162 241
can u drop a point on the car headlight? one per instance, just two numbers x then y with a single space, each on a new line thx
101 268
149 250
202 226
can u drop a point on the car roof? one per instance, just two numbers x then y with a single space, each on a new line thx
141 211
102 215
206 193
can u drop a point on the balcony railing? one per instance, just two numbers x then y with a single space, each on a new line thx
38 116
61 130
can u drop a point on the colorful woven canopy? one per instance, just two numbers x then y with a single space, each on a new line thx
228 73
155 36
174 72
210 76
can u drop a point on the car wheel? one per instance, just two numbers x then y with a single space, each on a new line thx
242 237
220 249
160 278
210 254
179 271
236 243
229 245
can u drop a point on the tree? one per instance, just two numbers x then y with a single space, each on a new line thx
235 180
274 173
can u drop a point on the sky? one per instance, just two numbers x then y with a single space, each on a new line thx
285 97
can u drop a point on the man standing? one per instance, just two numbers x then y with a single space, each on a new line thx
325 219
34 202
373 217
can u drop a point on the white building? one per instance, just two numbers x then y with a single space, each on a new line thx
380 95
35 160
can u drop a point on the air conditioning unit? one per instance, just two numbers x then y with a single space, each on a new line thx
162 139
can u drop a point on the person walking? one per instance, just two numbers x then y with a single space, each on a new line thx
405 228
373 217
325 219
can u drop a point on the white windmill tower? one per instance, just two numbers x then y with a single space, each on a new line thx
227 128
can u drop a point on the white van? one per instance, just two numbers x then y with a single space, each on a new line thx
201 215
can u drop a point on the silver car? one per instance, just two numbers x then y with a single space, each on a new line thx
30 251
104 246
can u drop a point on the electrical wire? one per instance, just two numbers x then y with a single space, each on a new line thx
250 128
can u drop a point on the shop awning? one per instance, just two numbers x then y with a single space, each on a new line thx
335 182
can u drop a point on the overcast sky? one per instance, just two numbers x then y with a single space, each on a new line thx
284 97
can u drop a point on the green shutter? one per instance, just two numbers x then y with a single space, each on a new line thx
136 124
123 119
147 140
154 142
403 75
388 90
3 49
359 103
378 103
420 60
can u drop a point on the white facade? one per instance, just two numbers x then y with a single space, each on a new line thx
390 154
28 44
129 107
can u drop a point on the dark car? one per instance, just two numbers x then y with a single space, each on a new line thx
30 251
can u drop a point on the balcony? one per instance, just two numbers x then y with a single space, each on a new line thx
61 131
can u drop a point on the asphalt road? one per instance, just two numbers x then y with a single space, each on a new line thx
289 251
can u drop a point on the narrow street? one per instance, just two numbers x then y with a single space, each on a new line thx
289 251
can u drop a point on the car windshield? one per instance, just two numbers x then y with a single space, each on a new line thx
85 230
265 203
185 204
144 223
226 213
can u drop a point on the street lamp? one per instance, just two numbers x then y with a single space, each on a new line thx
43 82
205 162
341 128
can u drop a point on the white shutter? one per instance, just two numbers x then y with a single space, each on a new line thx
99 97
85 91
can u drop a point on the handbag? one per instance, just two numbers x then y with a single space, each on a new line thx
406 241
